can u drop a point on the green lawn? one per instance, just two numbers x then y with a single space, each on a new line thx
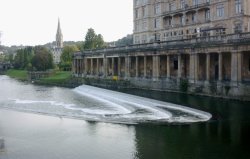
18 74
58 77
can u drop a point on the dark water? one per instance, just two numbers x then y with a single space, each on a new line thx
226 135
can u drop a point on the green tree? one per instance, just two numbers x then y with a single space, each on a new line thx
99 41
92 40
66 57
23 58
43 59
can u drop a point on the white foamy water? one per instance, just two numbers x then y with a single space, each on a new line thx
149 109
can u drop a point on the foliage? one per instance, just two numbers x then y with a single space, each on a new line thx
68 52
128 40
42 59
18 74
23 58
66 57
93 41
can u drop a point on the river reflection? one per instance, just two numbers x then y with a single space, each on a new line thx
27 135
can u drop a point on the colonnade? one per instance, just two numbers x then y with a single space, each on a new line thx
213 66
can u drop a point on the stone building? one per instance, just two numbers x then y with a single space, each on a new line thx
161 20
214 60
57 49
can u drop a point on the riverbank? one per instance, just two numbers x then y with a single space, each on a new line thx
65 79
18 74
57 78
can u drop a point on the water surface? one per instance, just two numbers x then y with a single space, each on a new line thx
28 135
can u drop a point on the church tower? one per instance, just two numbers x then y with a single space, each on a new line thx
57 49
59 36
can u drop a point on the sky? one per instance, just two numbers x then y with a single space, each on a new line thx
34 22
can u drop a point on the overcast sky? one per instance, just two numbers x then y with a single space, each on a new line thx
34 22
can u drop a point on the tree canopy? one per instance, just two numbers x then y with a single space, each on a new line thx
42 59
93 41
66 57
23 58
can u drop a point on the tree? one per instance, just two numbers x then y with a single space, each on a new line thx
66 57
43 59
90 39
93 41
23 58
99 41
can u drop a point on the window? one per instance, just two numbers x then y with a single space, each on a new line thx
238 6
182 4
193 17
195 2
136 13
157 37
238 28
157 23
158 8
136 2
171 7
220 10
182 20
207 14
136 26
143 11
144 25
137 40
144 38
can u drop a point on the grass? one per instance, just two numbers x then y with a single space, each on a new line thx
17 74
58 78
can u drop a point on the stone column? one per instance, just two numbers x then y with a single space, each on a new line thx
91 66
156 67
236 64
78 67
80 60
168 66
192 68
145 66
179 66
105 65
119 66
240 60
127 66
97 67
207 67
113 66
136 66
73 66
220 66
196 67
86 66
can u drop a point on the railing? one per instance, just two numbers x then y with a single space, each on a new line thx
217 40
187 8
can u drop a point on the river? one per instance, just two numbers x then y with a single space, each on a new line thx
89 122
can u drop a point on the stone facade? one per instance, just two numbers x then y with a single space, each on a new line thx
215 65
196 46
163 20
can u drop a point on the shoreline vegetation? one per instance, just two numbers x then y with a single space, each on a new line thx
57 78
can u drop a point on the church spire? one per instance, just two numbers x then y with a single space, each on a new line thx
59 36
